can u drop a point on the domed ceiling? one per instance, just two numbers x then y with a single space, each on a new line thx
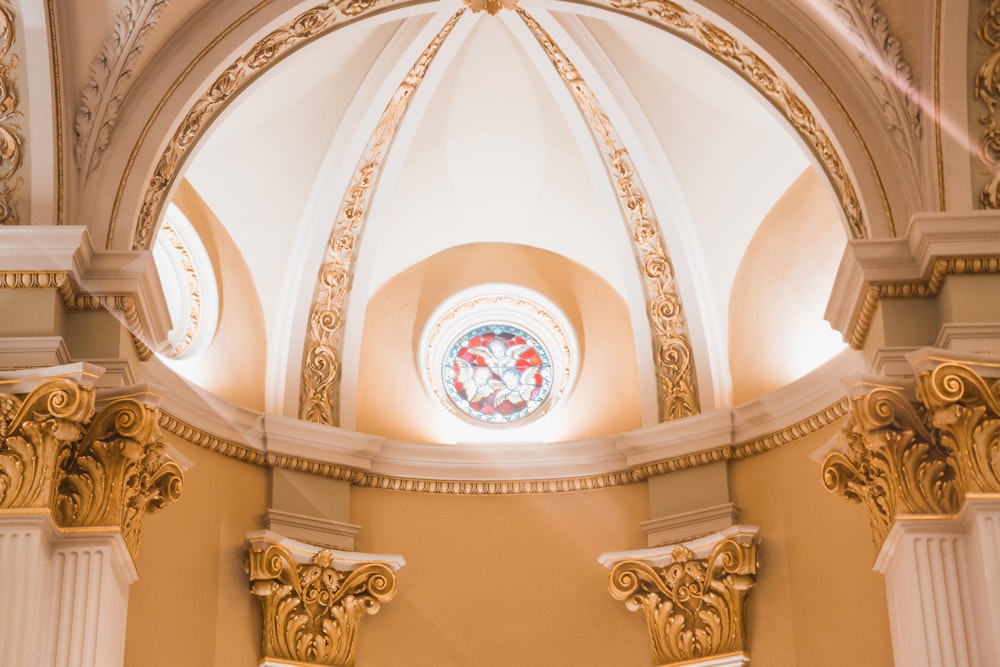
634 208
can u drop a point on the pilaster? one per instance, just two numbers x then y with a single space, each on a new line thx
313 599
80 469
694 595
923 456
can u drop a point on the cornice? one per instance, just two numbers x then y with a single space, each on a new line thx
370 461
936 245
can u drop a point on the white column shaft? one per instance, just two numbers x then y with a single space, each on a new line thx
25 551
981 517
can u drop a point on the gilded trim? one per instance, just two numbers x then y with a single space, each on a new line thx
192 321
319 393
308 25
731 52
941 269
57 93
938 141
672 356
469 487
986 87
11 135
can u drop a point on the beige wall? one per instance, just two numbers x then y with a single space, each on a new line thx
498 581
817 601
502 581
192 605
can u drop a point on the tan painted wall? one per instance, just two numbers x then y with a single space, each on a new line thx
192 604
817 601
501 581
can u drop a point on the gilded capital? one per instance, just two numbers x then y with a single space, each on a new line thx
38 430
694 596
313 599
963 407
120 471
890 459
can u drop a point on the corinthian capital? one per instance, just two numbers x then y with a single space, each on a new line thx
890 459
694 595
313 599
120 470
40 420
964 408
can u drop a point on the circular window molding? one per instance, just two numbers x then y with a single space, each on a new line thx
189 286
498 355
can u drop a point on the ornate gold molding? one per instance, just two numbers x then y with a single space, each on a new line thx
313 610
673 359
193 283
986 87
11 138
891 461
37 433
110 76
119 472
108 470
917 289
742 60
695 607
319 393
308 25
964 409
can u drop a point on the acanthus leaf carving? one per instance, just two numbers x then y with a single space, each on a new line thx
37 433
119 473
695 608
890 460
11 136
986 87
890 75
965 410
110 78
312 611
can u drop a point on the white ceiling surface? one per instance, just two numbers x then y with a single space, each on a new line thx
493 157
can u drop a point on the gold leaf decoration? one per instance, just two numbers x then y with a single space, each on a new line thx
986 87
319 395
37 433
491 7
695 608
11 138
306 26
890 461
312 611
673 360
965 410
119 472
728 50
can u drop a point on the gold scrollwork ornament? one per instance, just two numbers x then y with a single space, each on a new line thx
966 413
119 473
312 611
694 607
37 433
891 462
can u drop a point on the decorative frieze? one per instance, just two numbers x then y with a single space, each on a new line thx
694 596
313 599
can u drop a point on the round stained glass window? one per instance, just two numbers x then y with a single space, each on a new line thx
497 373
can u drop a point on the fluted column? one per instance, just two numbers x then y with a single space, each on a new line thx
79 471
694 596
313 599
923 456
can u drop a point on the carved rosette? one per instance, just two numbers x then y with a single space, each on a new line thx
37 434
312 610
107 470
891 461
695 605
120 472
964 408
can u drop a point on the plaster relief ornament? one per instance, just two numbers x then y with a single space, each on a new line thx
497 374
492 7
